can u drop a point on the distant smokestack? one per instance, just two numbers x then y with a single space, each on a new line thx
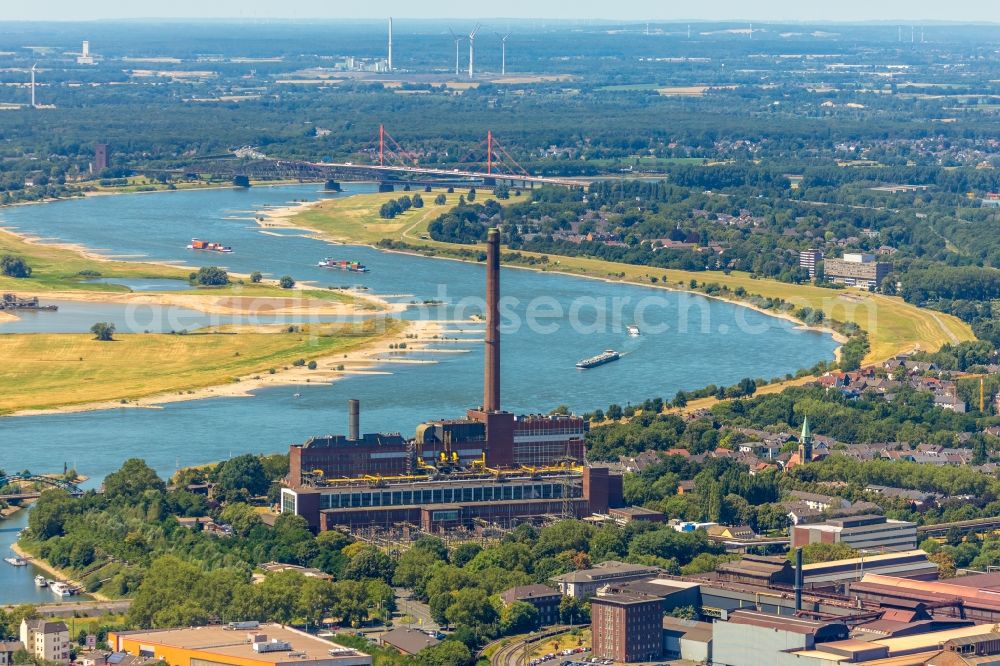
353 420
491 387
390 44
798 579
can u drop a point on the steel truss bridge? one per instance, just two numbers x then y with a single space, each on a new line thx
46 481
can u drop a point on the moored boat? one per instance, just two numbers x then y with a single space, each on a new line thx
16 561
633 331
41 582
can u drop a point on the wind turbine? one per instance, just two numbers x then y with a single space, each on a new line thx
472 50
33 67
458 41
503 53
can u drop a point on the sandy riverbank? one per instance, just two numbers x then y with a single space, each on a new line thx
234 304
52 571
418 336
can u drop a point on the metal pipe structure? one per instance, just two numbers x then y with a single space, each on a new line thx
353 420
491 387
798 579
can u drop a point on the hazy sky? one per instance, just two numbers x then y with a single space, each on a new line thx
771 10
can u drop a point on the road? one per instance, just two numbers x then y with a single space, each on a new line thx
419 611
84 608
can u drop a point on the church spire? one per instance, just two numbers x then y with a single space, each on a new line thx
805 442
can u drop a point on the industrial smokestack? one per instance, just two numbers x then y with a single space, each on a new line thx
390 45
491 388
353 420
798 579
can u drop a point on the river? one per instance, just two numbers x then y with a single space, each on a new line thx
551 321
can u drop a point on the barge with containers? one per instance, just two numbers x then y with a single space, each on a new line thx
343 265
208 246
607 356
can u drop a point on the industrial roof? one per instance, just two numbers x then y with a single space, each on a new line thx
796 625
691 630
869 559
972 589
608 569
223 643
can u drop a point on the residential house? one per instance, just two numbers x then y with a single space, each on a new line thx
407 641
7 650
46 640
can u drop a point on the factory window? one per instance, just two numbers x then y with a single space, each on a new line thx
508 492
355 499
437 496
547 491
397 498
467 494
288 502
376 499
407 497
477 494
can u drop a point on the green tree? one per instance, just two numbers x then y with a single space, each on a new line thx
210 276
446 653
286 282
14 267
470 607
256 277
241 517
519 617
369 562
244 474
165 596
103 331
131 480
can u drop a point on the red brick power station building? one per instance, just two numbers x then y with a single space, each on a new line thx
491 465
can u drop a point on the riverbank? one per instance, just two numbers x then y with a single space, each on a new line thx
359 228
392 347
57 574
893 326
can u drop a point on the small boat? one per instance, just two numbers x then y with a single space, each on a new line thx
633 331
343 265
41 582
61 589
607 356
296 395
208 246
15 561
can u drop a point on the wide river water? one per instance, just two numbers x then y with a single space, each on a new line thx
705 341
550 322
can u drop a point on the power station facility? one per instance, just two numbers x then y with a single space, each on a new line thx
491 466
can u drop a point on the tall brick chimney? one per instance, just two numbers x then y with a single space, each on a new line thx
491 379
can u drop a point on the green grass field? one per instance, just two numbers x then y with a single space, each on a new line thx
44 371
893 325
356 219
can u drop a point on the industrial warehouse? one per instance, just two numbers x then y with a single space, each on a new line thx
490 467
